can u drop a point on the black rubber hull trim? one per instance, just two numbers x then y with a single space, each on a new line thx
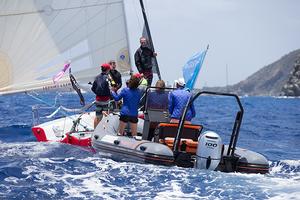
252 168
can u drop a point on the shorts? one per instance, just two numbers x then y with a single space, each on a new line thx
100 107
126 118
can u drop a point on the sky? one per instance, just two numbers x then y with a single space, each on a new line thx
243 35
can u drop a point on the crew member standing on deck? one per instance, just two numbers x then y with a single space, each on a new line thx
129 112
116 82
143 60
102 90
115 75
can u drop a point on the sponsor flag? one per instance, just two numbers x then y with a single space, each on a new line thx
61 73
191 69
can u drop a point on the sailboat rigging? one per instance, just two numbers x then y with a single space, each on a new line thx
149 37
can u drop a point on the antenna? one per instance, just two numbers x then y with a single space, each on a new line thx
227 78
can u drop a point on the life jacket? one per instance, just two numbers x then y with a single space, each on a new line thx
101 85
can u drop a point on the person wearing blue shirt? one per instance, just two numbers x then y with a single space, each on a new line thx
129 112
177 102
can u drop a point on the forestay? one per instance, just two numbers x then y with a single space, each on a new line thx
37 37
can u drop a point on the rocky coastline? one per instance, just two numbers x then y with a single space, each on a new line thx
280 78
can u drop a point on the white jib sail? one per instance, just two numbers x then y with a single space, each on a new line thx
37 37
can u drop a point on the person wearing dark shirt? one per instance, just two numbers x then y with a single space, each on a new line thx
102 90
129 112
177 102
115 74
158 99
143 60
116 78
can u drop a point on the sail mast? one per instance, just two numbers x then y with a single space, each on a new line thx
150 38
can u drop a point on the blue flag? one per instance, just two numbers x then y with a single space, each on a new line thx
191 69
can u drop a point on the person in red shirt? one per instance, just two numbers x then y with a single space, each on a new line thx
101 87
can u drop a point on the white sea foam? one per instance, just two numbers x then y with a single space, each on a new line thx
31 149
95 177
49 191
175 192
12 179
218 185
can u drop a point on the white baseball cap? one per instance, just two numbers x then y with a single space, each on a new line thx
181 82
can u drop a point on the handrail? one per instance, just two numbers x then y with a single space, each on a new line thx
236 127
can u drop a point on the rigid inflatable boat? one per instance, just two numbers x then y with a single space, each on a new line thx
159 142
184 145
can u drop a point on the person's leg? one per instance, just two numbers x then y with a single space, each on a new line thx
101 110
122 126
148 74
133 127
96 122
149 80
99 115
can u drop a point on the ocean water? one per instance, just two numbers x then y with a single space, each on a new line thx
33 170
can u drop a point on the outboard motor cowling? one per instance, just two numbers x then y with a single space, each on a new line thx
209 151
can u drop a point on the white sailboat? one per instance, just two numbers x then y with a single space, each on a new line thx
38 37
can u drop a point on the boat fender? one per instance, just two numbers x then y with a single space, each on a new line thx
116 142
143 148
81 134
209 151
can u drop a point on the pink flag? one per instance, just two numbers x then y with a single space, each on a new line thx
61 73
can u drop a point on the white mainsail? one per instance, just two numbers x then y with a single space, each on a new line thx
37 37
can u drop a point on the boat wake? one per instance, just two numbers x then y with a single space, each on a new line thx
54 170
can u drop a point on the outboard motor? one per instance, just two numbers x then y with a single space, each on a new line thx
209 151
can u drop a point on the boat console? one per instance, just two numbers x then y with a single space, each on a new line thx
156 110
